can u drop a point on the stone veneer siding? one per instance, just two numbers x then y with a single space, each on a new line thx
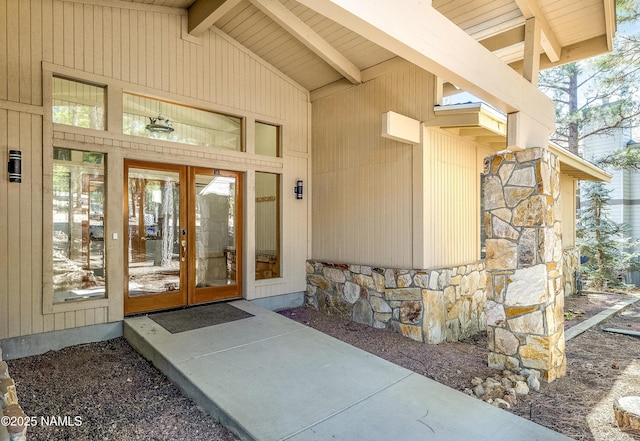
10 406
430 306
570 265
525 293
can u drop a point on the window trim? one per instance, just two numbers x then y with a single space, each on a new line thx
116 146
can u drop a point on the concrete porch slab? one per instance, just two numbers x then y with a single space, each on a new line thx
269 378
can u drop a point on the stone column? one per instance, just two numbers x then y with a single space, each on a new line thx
525 300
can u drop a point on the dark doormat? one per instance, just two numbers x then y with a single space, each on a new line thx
198 317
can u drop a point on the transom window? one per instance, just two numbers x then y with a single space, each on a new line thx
78 104
267 139
151 118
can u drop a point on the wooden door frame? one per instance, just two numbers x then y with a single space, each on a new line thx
203 295
188 294
169 299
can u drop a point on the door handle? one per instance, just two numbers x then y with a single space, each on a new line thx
183 243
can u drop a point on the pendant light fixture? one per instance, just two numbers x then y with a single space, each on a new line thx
159 124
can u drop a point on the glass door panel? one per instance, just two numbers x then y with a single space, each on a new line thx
156 244
215 222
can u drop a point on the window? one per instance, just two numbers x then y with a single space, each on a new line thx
78 104
151 118
78 225
267 225
267 139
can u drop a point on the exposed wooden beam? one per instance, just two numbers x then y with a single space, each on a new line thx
307 36
576 52
204 13
438 94
449 89
504 39
491 139
418 33
391 65
610 21
473 132
531 59
550 44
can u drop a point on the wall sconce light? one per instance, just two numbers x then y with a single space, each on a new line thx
298 189
15 166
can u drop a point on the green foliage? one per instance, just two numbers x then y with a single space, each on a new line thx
602 240
627 10
626 159
600 95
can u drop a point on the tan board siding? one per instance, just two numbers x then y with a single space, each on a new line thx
137 48
452 168
568 199
362 196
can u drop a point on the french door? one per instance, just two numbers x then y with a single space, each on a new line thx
183 235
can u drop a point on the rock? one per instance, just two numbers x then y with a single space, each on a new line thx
467 391
511 399
362 312
533 383
521 388
8 392
478 391
502 404
351 292
15 412
411 312
627 412
495 392
379 305
528 372
476 381
4 370
506 382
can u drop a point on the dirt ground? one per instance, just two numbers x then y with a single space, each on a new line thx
120 396
117 394
601 366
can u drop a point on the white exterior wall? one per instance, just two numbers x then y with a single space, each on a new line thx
144 49
625 192
624 206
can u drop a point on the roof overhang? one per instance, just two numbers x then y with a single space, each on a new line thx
485 125
420 34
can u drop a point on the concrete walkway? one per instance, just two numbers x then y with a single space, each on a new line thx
581 327
269 378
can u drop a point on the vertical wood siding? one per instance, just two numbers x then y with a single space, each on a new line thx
362 195
452 168
568 200
142 48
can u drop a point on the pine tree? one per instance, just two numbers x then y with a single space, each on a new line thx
595 234
598 96
601 240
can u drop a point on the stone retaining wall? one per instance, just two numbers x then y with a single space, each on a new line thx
570 264
10 406
430 306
